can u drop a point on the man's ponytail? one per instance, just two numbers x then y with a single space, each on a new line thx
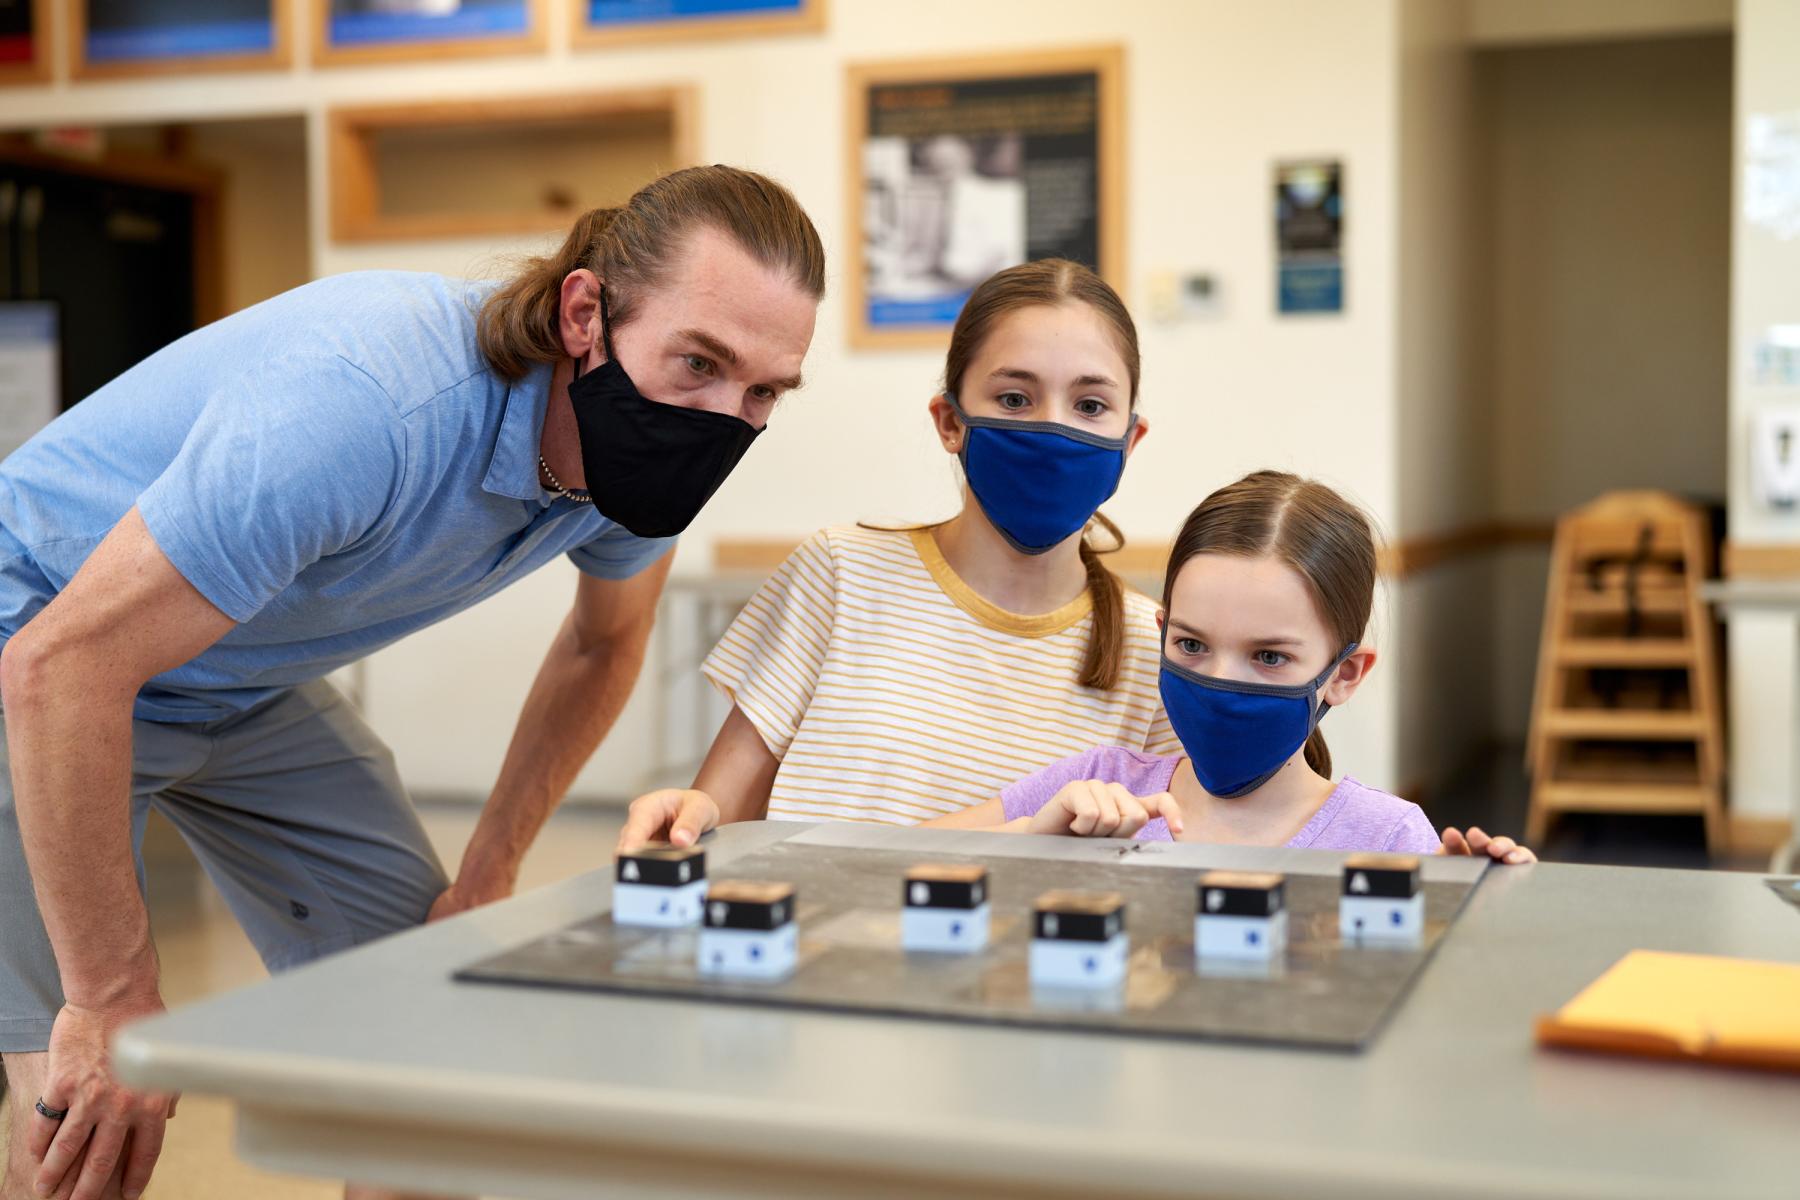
517 328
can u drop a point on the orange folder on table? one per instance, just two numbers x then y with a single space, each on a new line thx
1696 1006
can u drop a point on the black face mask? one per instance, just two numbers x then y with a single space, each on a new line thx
650 467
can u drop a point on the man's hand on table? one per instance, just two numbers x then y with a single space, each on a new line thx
470 892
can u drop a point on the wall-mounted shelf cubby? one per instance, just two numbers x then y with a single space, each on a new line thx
492 167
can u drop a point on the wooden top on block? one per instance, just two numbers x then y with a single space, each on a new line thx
1095 903
739 891
1260 881
1382 862
664 852
946 873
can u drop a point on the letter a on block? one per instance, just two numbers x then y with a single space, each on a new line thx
1359 883
631 871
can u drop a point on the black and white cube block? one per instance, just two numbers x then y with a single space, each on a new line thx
660 885
945 908
749 930
1382 899
1240 914
1078 940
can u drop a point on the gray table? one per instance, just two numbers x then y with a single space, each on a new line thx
374 1065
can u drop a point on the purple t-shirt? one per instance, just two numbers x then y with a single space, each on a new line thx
1353 817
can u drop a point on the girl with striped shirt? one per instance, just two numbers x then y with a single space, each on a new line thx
901 675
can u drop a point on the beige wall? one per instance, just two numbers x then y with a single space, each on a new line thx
1445 413
1611 253
1765 290
267 223
1609 268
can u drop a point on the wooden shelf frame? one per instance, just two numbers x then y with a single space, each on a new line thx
810 17
279 57
356 214
42 67
326 54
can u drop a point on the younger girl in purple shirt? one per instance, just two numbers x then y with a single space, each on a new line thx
1265 605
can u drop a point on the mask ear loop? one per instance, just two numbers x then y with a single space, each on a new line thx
605 334
606 327
1325 678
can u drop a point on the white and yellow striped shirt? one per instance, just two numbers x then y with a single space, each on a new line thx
892 692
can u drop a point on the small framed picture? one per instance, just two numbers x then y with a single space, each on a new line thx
24 41
1309 237
960 168
364 31
615 22
160 37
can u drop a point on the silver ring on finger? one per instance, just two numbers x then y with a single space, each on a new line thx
48 1113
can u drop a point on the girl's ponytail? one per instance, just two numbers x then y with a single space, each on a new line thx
1318 755
1106 644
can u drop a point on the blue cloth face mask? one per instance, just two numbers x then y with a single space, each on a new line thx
1037 481
1238 735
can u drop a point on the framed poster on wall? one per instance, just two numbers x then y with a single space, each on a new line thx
1309 237
24 41
959 168
148 37
611 22
361 31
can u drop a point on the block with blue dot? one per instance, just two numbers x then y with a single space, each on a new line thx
660 885
1240 914
749 931
945 908
1078 940
1382 900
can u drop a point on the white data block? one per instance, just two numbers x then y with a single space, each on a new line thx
1217 936
750 953
1381 918
1075 964
945 930
662 907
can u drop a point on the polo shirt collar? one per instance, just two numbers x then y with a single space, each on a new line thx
513 470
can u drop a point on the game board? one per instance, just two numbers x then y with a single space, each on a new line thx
1321 993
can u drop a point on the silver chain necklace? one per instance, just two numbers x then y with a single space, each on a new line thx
557 487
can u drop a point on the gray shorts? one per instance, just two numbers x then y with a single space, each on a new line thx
296 813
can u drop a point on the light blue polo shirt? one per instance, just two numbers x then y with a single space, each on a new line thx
334 469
